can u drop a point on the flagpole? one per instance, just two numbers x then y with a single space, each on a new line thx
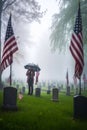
11 60
10 75
78 1
80 86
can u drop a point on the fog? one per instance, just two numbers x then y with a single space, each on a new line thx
35 44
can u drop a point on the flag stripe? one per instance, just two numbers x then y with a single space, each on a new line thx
77 53
9 54
76 45
78 40
76 57
10 47
9 40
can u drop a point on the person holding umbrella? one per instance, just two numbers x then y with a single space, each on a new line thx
30 80
32 68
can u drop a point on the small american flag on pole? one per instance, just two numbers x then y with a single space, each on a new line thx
10 47
76 46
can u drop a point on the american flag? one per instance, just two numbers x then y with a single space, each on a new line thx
10 46
76 46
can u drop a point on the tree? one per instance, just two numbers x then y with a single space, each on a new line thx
63 23
27 10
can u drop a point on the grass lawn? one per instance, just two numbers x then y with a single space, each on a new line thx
41 113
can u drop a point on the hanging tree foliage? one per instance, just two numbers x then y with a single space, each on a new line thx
63 23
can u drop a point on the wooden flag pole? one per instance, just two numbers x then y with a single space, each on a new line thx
78 1
10 75
80 86
11 60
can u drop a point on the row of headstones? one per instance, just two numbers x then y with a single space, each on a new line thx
10 101
49 90
10 97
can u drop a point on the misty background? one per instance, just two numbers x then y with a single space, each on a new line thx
34 42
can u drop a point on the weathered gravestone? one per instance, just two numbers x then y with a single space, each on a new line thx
48 91
37 92
55 93
9 98
80 106
68 90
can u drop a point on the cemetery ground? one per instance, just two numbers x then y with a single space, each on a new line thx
40 113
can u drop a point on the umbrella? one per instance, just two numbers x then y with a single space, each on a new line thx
32 66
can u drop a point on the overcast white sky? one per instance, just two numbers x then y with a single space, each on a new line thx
37 50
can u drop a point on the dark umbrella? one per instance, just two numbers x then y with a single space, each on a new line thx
32 66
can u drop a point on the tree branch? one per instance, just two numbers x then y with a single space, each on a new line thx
8 4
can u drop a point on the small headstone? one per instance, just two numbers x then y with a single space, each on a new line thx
80 106
55 94
37 92
48 91
68 90
9 98
61 86
72 86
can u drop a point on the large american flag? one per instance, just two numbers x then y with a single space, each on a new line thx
10 46
76 46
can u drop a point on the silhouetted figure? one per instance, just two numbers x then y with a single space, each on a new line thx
30 80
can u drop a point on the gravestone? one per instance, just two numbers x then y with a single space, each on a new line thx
48 91
62 87
37 92
80 106
55 92
9 98
68 90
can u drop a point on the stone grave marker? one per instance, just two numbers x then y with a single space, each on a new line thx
37 92
80 107
55 93
68 90
48 91
9 98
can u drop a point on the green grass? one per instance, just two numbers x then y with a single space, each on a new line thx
41 113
